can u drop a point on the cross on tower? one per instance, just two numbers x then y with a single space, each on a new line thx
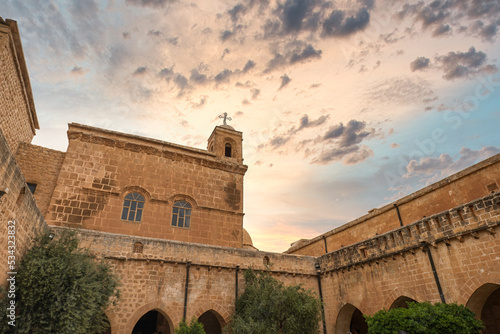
224 115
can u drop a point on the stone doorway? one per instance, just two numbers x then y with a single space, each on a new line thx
485 303
153 322
212 322
350 319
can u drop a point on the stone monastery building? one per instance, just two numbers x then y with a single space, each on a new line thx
169 219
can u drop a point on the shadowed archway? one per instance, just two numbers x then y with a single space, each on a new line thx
212 322
350 319
153 322
485 303
401 302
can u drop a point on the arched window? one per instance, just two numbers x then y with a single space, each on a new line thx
132 207
181 214
228 150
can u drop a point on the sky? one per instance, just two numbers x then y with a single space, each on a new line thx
344 105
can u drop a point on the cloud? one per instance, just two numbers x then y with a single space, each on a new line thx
248 66
419 64
443 29
399 90
432 169
463 64
201 103
224 53
285 80
223 76
481 17
149 3
292 53
140 71
337 24
293 14
307 53
78 71
155 33
255 93
304 123
351 134
342 142
487 31
198 77
126 35
236 11
181 82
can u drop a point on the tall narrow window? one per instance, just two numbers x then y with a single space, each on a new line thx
181 214
228 152
132 207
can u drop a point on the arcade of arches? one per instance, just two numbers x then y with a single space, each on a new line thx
158 322
484 301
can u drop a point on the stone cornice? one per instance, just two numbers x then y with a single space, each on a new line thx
150 146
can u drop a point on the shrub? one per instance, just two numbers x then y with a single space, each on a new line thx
61 289
194 327
425 318
267 307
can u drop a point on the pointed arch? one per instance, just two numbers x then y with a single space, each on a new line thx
212 321
401 302
485 302
150 307
350 318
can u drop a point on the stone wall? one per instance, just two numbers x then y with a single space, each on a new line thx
17 111
18 205
101 167
471 183
40 166
375 273
154 279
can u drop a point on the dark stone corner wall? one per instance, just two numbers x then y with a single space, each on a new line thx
17 208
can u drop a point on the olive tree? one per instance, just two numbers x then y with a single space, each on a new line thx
60 288
268 306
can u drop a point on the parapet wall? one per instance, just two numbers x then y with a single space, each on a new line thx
467 185
466 220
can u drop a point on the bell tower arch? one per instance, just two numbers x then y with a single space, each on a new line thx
226 143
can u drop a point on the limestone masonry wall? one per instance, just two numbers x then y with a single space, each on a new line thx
40 166
155 278
474 182
17 208
375 273
101 167
17 117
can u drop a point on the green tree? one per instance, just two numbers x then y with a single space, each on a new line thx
425 318
194 327
61 289
268 307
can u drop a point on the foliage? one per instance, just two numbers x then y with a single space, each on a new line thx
425 318
194 327
267 307
61 289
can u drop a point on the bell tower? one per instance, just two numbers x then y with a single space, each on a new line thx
226 142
